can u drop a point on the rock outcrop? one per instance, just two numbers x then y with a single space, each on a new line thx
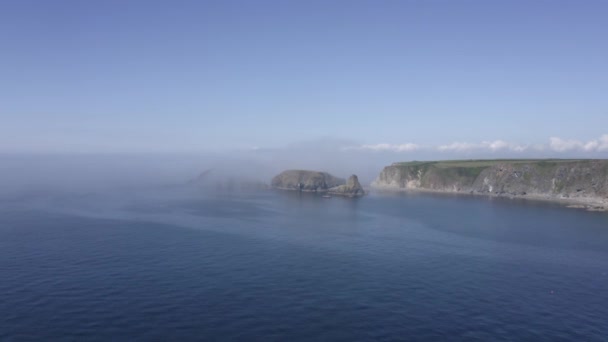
352 188
304 180
583 181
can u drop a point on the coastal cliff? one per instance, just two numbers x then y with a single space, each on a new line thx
579 181
305 180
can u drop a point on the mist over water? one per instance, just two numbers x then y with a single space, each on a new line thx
138 140
100 172
165 246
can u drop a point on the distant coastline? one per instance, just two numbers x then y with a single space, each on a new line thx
574 183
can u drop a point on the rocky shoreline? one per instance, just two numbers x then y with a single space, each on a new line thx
580 184
586 203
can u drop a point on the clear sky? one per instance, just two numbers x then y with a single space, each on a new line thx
150 76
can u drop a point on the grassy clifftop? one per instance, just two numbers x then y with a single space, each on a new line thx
563 178
473 163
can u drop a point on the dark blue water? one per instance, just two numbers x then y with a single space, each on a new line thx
283 267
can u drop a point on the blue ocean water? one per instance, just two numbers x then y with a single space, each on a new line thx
274 266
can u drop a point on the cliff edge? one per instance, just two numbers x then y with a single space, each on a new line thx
579 181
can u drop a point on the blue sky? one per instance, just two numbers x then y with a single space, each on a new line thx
397 76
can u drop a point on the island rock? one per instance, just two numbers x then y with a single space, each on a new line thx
352 188
305 180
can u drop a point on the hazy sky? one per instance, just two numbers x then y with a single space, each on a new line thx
400 76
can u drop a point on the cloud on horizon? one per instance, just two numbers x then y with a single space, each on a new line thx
596 145
407 147
555 144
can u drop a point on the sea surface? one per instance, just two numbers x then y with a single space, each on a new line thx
172 264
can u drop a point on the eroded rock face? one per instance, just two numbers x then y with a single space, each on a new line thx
586 180
352 188
305 180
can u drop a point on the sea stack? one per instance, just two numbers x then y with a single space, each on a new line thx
352 188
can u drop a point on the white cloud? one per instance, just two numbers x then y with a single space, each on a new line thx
555 144
457 147
602 143
496 145
407 147
563 145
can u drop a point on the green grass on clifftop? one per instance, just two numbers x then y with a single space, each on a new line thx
483 163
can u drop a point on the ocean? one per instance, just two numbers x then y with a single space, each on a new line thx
175 264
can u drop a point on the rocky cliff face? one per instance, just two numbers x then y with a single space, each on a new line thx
304 180
352 188
551 179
